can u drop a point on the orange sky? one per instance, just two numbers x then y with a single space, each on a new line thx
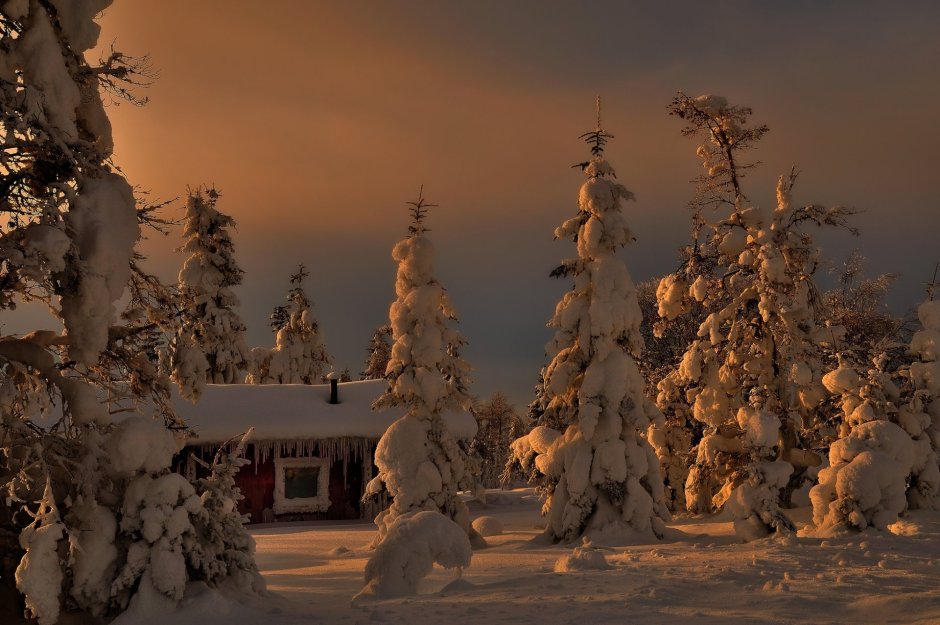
318 120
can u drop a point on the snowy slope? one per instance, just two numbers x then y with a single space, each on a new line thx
701 574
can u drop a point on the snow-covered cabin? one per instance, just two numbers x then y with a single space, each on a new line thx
310 459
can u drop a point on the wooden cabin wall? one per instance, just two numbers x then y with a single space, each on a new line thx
256 482
257 485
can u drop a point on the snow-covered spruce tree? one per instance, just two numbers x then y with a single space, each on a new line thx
420 463
71 478
870 464
600 474
210 325
298 356
753 377
886 457
380 350
678 314
221 546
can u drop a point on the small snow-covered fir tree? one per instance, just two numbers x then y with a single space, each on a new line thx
380 351
420 463
885 459
869 465
210 324
599 474
98 515
222 546
753 376
298 356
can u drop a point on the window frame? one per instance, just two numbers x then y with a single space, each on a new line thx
320 503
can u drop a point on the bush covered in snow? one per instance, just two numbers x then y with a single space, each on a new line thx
488 526
585 557
413 544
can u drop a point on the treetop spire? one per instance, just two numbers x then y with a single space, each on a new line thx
597 106
300 275
598 137
419 210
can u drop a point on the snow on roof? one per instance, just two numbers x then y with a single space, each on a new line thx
296 412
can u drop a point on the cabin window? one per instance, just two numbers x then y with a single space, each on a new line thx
301 485
301 482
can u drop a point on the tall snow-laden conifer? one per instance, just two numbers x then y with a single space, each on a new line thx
210 323
420 463
298 356
76 484
600 474
753 377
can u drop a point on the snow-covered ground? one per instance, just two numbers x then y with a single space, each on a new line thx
701 574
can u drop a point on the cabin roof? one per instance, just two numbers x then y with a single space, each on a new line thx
297 412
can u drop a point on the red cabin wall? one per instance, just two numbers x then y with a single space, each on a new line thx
257 485
256 482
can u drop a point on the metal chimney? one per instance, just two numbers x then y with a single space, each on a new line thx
334 391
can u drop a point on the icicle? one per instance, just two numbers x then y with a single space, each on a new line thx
345 449
265 447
